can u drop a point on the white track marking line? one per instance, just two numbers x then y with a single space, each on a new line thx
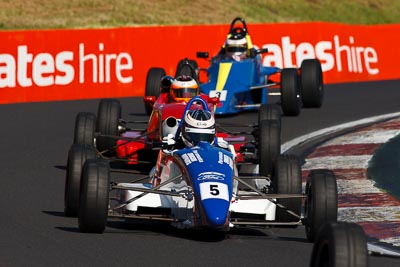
337 162
353 187
363 137
294 142
369 214
395 241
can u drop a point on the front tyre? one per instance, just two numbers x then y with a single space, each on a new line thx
287 180
108 115
77 156
290 93
269 112
85 125
321 201
340 244
94 197
269 145
153 85
312 85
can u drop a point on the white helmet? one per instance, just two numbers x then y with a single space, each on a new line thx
198 126
236 47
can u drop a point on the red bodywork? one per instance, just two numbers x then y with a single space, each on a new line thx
163 108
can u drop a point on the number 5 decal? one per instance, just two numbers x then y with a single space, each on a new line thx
214 190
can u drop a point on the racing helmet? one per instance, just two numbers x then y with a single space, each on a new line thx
183 88
236 46
198 125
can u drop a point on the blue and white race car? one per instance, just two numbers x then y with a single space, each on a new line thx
202 186
236 75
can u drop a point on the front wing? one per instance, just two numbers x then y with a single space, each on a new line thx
177 204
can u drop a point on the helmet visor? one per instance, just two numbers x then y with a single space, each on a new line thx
184 93
197 135
236 49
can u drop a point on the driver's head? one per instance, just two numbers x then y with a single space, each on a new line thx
236 47
198 126
183 88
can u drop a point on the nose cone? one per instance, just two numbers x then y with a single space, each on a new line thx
216 212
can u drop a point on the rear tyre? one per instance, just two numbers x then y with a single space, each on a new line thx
94 197
85 125
312 86
321 201
340 244
77 156
108 115
269 145
153 80
290 93
287 180
269 112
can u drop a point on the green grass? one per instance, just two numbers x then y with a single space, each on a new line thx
41 14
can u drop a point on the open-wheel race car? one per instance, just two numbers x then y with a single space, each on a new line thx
238 78
212 185
108 136
162 89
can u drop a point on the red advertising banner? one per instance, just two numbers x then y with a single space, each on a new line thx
51 65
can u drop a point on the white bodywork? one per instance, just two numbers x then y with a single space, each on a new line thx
255 206
182 207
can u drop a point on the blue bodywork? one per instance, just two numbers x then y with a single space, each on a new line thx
209 171
232 82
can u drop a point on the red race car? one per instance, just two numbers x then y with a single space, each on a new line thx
165 113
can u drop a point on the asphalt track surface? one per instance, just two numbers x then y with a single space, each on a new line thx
35 139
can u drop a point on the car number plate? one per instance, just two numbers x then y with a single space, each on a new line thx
220 94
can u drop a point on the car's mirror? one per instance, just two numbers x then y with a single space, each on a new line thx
214 100
202 54
262 50
166 82
150 99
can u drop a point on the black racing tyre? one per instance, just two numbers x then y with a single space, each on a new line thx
340 244
287 180
152 88
108 115
85 126
269 145
77 156
269 112
94 197
312 85
321 201
290 93
188 67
